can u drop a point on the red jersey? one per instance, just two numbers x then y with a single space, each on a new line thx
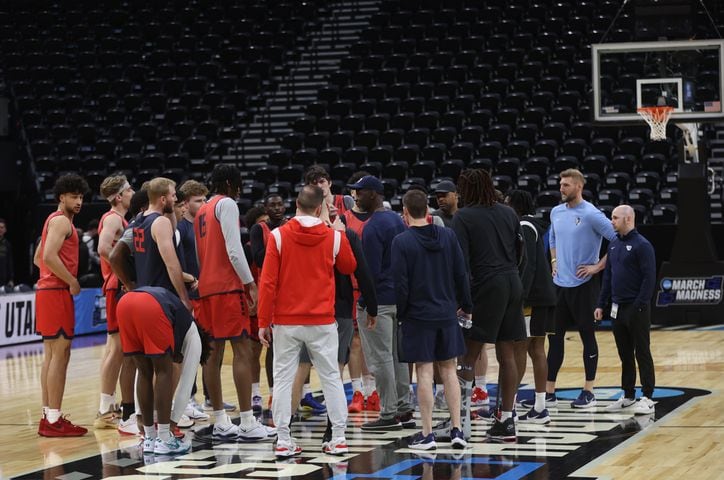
354 223
216 273
339 204
110 281
68 254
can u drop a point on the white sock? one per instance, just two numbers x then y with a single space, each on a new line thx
481 382
255 392
247 419
440 388
53 415
540 401
357 384
505 415
220 417
150 432
106 402
306 389
164 431
368 382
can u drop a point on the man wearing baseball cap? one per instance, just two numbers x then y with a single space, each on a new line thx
447 201
379 336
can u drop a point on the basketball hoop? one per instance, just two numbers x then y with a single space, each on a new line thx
657 118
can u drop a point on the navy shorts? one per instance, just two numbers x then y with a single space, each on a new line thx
430 342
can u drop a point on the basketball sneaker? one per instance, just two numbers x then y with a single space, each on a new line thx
287 449
357 404
256 432
176 432
536 417
440 401
147 444
128 427
192 411
502 431
171 446
61 428
585 399
645 406
422 442
225 430
373 402
338 446
457 439
621 404
256 404
185 422
383 424
310 404
551 401
480 397
407 419
105 420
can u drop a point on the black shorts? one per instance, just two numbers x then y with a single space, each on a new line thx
575 306
438 341
542 321
498 310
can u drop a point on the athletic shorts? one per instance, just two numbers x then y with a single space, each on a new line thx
419 342
225 316
542 321
345 332
498 310
54 313
575 306
145 328
112 298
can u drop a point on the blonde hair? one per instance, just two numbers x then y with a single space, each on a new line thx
158 187
112 186
192 188
575 174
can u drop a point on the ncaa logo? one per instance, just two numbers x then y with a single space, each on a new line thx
666 284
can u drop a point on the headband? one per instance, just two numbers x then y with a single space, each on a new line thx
120 190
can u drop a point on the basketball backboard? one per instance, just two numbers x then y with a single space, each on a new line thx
686 75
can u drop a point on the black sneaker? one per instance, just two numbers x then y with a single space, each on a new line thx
502 431
407 420
382 425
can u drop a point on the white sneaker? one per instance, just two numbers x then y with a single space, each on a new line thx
338 446
195 413
148 444
172 446
185 422
129 427
225 430
645 406
284 449
256 432
621 404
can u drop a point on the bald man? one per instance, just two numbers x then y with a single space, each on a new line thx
628 283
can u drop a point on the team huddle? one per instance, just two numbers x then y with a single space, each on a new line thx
344 282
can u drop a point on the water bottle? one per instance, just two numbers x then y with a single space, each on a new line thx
465 322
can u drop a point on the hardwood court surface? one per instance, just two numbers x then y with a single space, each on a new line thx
687 441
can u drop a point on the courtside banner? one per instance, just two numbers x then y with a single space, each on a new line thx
17 317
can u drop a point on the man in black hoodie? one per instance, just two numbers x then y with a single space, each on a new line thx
432 288
539 295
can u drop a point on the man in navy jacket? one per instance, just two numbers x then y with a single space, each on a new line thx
431 285
628 282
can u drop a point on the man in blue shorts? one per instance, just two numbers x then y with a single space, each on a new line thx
577 230
431 283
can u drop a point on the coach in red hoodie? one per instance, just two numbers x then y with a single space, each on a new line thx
297 290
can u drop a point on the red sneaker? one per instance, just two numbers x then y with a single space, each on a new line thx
61 428
373 402
479 397
357 404
176 432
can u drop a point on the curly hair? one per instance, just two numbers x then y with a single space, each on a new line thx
252 215
70 183
521 201
476 188
225 179
314 173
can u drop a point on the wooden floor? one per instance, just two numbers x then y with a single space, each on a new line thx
687 442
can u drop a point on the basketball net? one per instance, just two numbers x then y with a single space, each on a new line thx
657 118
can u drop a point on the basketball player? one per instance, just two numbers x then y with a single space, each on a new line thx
57 259
490 237
224 277
316 175
297 292
577 230
118 192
